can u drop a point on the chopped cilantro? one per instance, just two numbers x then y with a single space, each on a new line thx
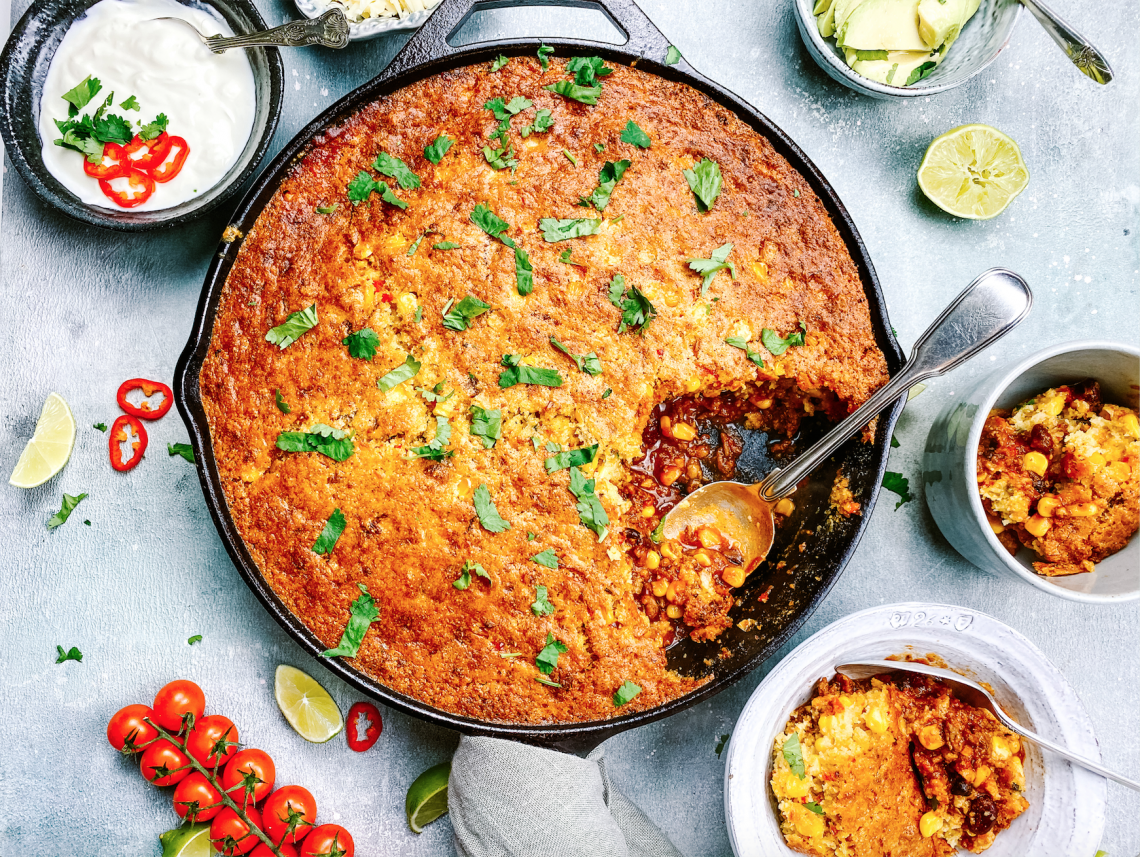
416 244
435 150
394 168
894 442
486 425
571 458
607 393
499 63
636 310
131 103
464 580
547 660
72 654
488 515
445 245
290 330
794 756
524 273
544 52
333 528
361 614
362 187
563 230
505 110
65 509
704 181
435 394
488 221
570 157
811 805
796 192
919 73
518 372
419 314
328 209
501 158
777 345
183 449
543 121
362 344
588 363
590 510
547 558
333 443
587 70
898 484
711 267
282 405
626 693
434 450
721 743
541 605
572 90
81 94
197 638
151 130
672 56
564 257
100 426
608 177
617 289
530 537
742 343
463 313
404 372
544 680
599 148
635 136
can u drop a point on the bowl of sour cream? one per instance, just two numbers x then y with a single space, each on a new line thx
131 123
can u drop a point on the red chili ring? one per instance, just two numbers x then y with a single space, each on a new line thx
372 731
149 388
118 434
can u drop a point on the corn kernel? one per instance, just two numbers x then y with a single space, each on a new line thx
1053 406
1038 526
996 525
660 587
647 511
794 786
671 550
1035 462
672 593
929 824
845 700
1082 510
1000 749
733 576
761 271
693 384
827 723
1119 471
809 824
702 557
653 560
684 432
407 304
785 507
674 612
982 774
1096 460
667 426
1047 505
708 536
671 300
1131 424
930 737
876 720
764 404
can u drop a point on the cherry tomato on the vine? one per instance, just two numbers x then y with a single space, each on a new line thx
249 771
328 840
363 726
194 796
164 764
213 741
289 805
264 850
129 724
231 835
176 700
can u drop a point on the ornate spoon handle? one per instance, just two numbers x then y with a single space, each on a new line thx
1076 47
329 30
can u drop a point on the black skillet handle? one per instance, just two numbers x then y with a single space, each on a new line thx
430 43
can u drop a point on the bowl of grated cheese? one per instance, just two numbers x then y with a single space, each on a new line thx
368 19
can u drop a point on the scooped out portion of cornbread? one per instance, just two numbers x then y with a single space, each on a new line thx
894 766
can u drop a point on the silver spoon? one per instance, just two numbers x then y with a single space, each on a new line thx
1076 47
974 694
986 310
329 30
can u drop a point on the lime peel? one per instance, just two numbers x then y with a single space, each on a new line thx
427 797
192 841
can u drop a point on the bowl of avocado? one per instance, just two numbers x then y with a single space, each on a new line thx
905 48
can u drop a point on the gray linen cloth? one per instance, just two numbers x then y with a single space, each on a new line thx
512 800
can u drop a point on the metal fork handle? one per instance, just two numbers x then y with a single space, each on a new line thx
1077 48
329 30
985 311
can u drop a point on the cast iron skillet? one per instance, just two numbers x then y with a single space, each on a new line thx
776 607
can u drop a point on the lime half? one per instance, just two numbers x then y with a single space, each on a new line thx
306 705
192 841
50 447
427 797
974 171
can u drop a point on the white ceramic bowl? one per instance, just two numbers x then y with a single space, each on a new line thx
369 28
1066 803
950 476
985 36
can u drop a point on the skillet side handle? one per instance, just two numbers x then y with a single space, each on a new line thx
431 42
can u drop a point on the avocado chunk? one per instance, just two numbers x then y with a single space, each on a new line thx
890 25
895 69
940 21
840 11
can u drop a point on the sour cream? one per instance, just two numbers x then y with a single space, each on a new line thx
209 98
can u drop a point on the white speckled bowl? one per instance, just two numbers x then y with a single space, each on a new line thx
985 36
368 29
1066 803
950 476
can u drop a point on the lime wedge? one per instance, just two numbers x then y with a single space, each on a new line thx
192 841
974 171
427 797
306 705
50 446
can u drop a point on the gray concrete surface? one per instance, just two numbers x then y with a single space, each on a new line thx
83 309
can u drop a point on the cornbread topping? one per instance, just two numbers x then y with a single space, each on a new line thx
482 337
1060 475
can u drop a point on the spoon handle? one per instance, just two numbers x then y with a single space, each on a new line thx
329 30
985 311
1076 47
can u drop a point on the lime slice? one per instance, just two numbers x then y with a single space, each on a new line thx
192 841
306 705
427 797
50 446
974 171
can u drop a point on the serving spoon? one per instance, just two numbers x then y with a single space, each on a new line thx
1077 48
985 311
974 694
329 30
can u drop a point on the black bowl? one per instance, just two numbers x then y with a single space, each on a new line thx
23 70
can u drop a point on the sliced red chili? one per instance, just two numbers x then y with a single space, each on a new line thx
143 410
171 164
364 726
147 154
110 164
119 436
137 187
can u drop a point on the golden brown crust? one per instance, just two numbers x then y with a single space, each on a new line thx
411 523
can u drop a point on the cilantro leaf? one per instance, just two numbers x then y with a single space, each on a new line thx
617 289
518 372
547 558
393 167
333 528
362 613
587 70
113 129
711 267
812 806
131 103
362 344
72 654
465 574
361 188
282 405
672 56
794 756
328 209
80 140
183 449
777 345
100 426
626 693
65 509
571 458
570 157
434 450
636 310
544 52
197 638
919 73
564 257
541 605
599 147
486 425
488 515
488 221
524 272
502 158
635 136
898 484
499 62
434 394
445 245
153 129
742 343
721 743
895 442
608 177
563 230
290 330
81 94
590 510
404 372
704 181
543 121
334 443
463 313
547 660
569 89
416 244
435 150
588 363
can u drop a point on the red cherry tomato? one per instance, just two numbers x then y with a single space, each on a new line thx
172 161
145 155
364 726
289 805
231 835
164 764
328 840
213 741
264 850
110 162
128 730
194 796
249 772
133 187
175 701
